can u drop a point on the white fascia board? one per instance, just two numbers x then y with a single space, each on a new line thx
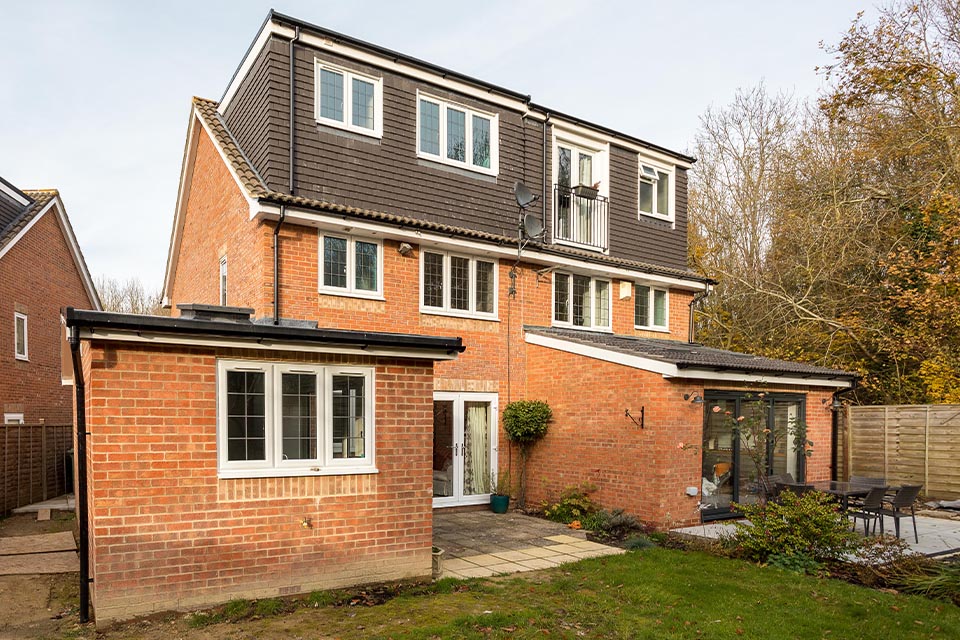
568 126
13 194
337 222
665 369
771 379
260 344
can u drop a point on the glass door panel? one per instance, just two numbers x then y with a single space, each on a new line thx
476 448
786 415
717 477
443 448
749 484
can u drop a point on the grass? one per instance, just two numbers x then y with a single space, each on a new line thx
655 593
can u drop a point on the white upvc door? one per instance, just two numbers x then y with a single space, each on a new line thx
464 447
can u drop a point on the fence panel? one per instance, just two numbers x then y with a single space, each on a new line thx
906 444
33 463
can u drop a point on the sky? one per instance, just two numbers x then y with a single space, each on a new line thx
96 95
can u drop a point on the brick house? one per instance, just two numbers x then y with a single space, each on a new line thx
341 186
41 270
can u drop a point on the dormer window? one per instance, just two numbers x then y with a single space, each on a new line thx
655 192
349 100
456 135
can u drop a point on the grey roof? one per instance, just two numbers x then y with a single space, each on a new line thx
687 355
14 216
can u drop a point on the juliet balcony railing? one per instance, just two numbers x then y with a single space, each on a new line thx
580 217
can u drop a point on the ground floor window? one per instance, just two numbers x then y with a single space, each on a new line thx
733 460
293 419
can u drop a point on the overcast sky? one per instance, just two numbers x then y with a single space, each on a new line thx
96 95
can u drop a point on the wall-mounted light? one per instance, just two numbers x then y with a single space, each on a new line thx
836 405
697 398
404 249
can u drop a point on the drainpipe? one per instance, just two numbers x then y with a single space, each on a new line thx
835 429
292 177
81 459
696 299
543 197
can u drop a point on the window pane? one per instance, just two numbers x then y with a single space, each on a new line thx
586 169
646 196
429 128
432 280
334 262
223 281
659 308
366 266
456 135
663 194
641 305
363 103
581 301
349 421
331 95
563 167
561 297
246 416
481 142
485 290
299 416
460 283
21 339
601 312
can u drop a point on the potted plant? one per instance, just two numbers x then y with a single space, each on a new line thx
525 422
587 191
500 495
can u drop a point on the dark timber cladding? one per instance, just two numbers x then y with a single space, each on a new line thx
386 175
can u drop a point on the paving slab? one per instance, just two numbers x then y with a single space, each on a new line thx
36 563
66 502
43 543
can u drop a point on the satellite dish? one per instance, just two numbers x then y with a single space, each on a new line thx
531 225
523 195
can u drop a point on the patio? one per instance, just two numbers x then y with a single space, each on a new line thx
938 536
479 544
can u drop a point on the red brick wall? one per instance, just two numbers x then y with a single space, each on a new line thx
37 277
217 223
167 534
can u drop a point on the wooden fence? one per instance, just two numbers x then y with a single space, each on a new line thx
906 444
33 463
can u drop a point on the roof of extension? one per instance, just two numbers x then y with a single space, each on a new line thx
685 355
389 54
257 188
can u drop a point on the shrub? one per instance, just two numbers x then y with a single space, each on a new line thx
940 581
639 543
574 504
795 562
614 525
810 525
525 422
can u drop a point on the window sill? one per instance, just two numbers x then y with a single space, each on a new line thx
457 165
585 247
22 358
373 295
236 474
656 329
360 131
567 325
455 314
669 219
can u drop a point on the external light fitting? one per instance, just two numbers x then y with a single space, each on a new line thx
697 398
404 249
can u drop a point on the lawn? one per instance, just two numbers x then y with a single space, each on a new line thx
656 593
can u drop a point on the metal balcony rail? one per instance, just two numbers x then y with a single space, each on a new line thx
580 216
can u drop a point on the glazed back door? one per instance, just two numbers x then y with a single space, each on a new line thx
464 447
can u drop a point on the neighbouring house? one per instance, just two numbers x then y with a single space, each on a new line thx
41 270
338 186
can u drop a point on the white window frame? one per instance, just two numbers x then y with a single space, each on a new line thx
25 354
593 296
446 309
348 76
223 281
651 296
274 465
670 215
468 155
13 418
350 290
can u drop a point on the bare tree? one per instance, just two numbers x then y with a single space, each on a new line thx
129 296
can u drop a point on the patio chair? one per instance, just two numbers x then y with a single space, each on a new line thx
903 499
865 481
869 509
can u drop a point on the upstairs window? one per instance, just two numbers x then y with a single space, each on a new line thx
349 266
349 100
650 307
655 195
21 350
456 135
294 419
458 285
581 301
223 281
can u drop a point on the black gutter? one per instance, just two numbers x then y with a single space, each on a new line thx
94 320
81 463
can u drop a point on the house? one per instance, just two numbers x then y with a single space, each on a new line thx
41 269
338 186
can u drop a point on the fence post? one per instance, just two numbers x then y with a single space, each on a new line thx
43 459
886 445
926 449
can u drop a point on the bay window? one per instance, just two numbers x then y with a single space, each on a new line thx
581 301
